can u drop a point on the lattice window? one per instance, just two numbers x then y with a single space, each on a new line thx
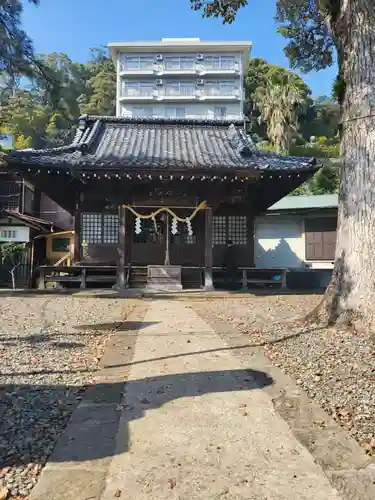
91 228
232 228
219 230
183 237
99 228
110 228
237 229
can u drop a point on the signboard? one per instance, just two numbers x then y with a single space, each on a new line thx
14 234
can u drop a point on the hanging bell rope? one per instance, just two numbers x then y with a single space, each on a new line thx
201 206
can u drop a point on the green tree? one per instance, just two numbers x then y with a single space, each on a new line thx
58 131
17 58
100 98
280 103
26 114
316 31
11 256
261 76
322 119
23 142
50 117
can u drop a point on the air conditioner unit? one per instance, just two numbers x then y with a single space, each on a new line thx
159 82
159 57
200 81
200 57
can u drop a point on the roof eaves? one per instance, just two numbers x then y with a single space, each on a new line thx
91 119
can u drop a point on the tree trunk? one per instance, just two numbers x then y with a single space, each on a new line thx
350 297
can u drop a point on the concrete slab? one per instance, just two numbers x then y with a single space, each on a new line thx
200 425
203 417
89 440
68 484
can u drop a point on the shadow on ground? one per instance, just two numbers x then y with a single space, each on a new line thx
94 424
122 326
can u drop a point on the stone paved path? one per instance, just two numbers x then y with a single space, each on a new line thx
196 425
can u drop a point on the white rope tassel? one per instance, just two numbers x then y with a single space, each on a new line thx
174 228
188 226
138 225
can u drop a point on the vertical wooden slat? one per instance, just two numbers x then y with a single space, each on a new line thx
77 229
208 283
250 240
121 245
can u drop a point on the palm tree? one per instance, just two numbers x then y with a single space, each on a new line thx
280 104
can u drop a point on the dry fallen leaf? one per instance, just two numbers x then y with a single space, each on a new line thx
172 483
4 492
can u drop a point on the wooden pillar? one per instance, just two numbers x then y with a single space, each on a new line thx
208 282
121 245
77 230
167 259
250 239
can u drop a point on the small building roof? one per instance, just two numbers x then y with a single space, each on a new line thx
159 143
41 225
306 202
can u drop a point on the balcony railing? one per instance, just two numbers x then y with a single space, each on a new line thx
182 91
138 92
188 92
221 66
214 91
197 67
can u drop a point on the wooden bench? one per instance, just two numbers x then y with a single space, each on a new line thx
246 279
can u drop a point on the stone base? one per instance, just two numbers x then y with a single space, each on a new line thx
163 278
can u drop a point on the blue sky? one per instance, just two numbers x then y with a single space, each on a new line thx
73 26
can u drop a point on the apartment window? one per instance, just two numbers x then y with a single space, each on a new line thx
175 112
229 228
219 62
99 228
142 112
130 88
220 113
136 62
220 87
180 88
179 62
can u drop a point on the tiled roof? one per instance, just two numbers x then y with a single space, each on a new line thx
160 144
35 223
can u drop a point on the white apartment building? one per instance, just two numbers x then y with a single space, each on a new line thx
180 78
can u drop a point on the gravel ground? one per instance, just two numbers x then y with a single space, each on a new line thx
49 351
334 367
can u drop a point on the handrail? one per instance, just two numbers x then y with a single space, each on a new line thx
64 258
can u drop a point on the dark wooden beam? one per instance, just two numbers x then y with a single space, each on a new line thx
250 238
121 247
208 282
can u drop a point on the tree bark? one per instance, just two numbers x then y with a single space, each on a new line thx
350 297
